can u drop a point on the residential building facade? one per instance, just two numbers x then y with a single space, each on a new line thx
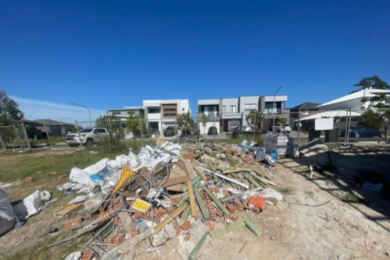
124 113
226 114
158 114
302 110
162 113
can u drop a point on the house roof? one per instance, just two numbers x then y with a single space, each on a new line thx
305 106
330 114
49 122
369 92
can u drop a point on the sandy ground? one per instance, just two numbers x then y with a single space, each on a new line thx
311 223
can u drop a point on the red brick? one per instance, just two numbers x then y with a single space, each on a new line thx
133 233
117 239
159 212
87 255
230 207
214 189
72 223
238 204
234 217
211 224
186 225
28 179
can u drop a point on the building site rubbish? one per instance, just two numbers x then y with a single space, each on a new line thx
14 214
162 193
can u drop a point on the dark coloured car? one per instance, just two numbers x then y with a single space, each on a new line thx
170 131
363 132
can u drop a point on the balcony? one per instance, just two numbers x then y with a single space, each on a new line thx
277 113
231 115
211 116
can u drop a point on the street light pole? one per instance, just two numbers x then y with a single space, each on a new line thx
89 111
274 105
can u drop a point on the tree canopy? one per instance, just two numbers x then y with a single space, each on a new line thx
136 125
255 119
186 124
9 110
371 119
372 82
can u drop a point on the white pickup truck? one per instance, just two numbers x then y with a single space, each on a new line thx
86 136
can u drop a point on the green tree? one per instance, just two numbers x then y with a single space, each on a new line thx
255 119
136 124
9 109
186 124
10 114
203 120
371 119
372 82
110 122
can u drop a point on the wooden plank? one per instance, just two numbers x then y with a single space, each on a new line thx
168 219
191 195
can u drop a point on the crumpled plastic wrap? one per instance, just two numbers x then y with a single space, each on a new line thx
106 172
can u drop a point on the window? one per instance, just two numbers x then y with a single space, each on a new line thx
153 110
99 131
224 108
269 106
279 107
233 108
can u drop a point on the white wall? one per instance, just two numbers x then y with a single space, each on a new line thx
244 101
228 103
183 106
204 128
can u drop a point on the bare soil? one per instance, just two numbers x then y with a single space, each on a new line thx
313 222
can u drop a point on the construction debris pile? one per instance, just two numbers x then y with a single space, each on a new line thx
169 191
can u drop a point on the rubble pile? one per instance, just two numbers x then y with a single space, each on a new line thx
164 192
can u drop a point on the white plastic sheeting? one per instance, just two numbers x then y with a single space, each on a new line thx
106 172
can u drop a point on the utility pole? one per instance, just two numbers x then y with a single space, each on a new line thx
89 111
274 106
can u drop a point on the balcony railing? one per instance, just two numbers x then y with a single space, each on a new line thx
231 115
211 117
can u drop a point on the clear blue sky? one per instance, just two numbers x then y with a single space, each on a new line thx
109 54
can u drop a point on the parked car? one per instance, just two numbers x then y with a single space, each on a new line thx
87 136
170 131
363 132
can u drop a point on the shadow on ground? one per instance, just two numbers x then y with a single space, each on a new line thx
344 177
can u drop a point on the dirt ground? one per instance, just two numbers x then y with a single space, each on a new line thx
313 222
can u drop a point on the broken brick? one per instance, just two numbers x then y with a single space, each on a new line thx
87 255
211 224
28 179
230 207
117 239
234 217
159 212
186 225
73 223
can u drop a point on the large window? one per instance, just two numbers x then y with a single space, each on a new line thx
153 110
269 106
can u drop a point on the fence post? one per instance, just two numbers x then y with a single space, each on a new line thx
2 144
25 136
